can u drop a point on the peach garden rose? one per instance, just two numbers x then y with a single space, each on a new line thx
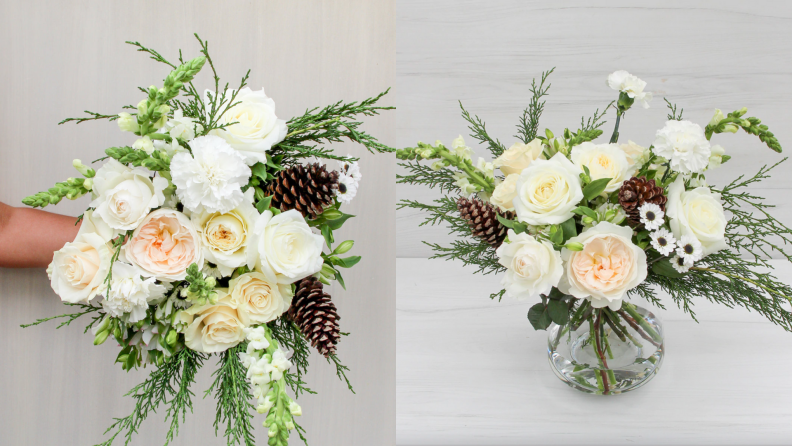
164 245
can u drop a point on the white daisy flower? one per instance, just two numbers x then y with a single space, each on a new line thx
663 241
690 249
680 264
651 216
349 177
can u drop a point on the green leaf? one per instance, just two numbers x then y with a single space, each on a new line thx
664 268
558 311
264 204
506 222
340 279
556 235
327 233
348 262
596 187
586 212
338 222
259 170
538 317
569 230
556 294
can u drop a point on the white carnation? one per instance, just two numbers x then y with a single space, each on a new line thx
212 178
684 144
533 267
632 86
129 294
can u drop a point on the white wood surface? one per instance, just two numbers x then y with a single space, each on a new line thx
59 58
471 371
701 55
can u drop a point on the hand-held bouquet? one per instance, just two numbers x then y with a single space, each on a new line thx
206 237
581 226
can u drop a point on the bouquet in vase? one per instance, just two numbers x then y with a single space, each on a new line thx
580 226
212 235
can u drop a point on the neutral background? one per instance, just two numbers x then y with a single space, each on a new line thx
60 58
471 371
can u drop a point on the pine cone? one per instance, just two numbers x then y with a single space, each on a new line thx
308 189
483 220
316 315
635 192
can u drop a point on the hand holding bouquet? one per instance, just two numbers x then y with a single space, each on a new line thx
209 235
580 226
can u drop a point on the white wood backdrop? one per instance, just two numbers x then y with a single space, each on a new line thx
473 372
59 58
484 53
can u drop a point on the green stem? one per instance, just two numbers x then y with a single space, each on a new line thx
455 161
630 309
614 318
615 136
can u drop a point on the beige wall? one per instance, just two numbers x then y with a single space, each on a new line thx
59 58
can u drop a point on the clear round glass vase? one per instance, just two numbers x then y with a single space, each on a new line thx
607 352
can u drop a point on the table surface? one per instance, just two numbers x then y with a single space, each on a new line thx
471 371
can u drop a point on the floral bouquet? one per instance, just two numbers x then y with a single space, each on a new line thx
212 234
582 226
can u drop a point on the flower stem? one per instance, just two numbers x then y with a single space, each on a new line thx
630 309
455 161
615 136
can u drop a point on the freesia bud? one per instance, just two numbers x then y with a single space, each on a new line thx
574 246
101 337
332 214
588 220
344 247
172 337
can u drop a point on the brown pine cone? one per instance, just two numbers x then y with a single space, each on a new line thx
483 220
635 192
316 315
308 189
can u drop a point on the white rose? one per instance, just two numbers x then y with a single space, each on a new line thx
257 128
548 191
285 244
603 161
519 156
226 236
608 266
532 267
130 294
684 144
699 213
212 178
79 269
636 155
505 192
124 196
212 328
259 298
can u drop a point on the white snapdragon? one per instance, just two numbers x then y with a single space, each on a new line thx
181 127
630 85
461 149
129 293
716 157
684 144
145 144
212 178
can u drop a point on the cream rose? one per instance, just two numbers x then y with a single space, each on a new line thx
603 161
256 127
548 191
79 269
259 298
532 267
212 328
226 236
285 245
124 196
519 156
164 245
636 155
608 266
699 213
504 193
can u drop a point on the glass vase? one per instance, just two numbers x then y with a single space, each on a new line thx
607 352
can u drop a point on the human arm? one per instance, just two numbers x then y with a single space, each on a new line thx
29 237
